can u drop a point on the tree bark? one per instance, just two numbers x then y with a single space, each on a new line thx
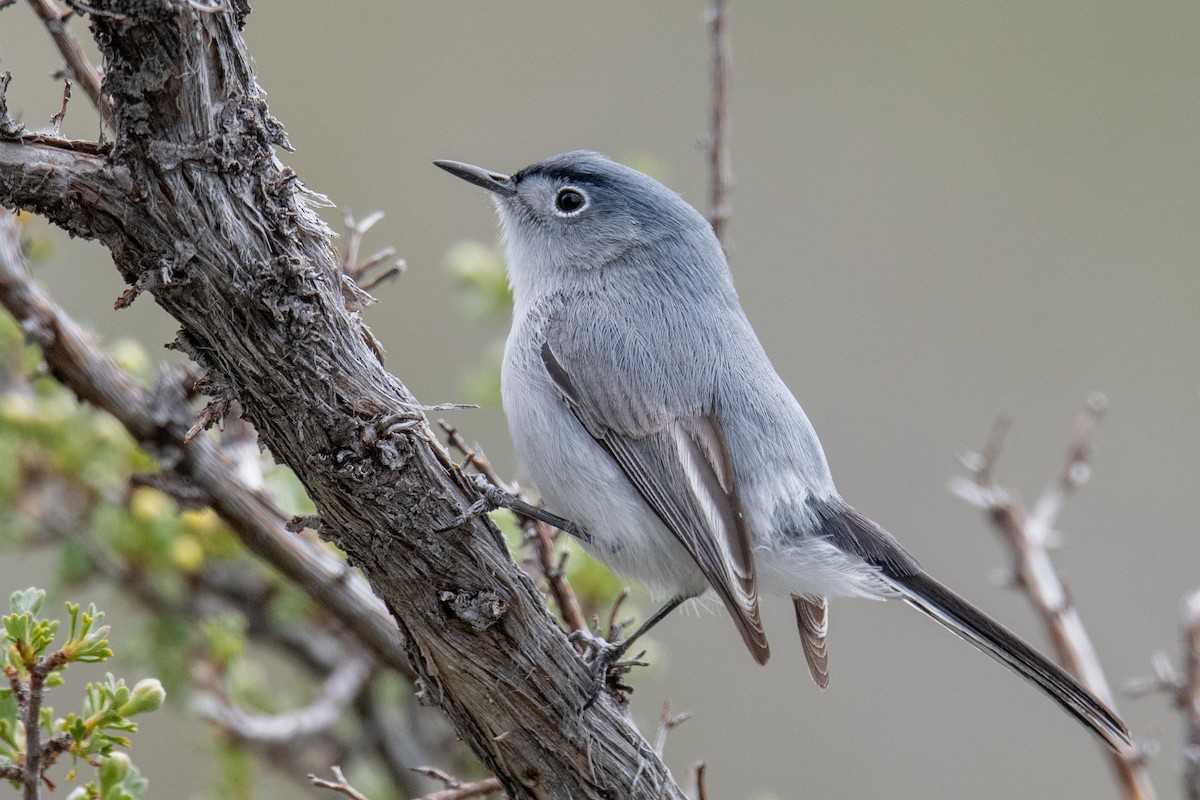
196 210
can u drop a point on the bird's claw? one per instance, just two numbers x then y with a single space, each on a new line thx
604 661
481 506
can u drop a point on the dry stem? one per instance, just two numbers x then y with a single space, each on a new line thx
1027 537
78 66
719 161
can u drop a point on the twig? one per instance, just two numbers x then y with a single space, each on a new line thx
28 698
472 457
456 789
544 538
719 161
1190 697
339 689
466 791
77 64
340 785
1027 537
536 531
31 711
668 722
8 126
57 119
701 770
1183 690
358 271
615 627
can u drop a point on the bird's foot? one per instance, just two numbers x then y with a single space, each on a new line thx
607 663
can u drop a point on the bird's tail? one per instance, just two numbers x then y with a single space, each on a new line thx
927 595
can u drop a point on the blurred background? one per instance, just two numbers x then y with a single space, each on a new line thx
942 212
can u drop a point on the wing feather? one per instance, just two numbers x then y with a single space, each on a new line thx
679 462
812 618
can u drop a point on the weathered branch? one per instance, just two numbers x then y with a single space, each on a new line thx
223 238
158 422
1027 537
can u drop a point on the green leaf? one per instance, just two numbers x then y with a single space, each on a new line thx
28 601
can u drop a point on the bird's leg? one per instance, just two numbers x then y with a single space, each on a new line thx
605 660
492 497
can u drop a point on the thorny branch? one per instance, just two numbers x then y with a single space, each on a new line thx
1028 536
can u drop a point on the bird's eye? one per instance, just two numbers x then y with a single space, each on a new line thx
570 201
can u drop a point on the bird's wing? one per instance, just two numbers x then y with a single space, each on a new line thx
812 618
675 455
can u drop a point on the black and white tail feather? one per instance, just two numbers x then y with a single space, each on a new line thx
855 534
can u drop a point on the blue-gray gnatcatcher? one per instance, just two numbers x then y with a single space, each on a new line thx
642 404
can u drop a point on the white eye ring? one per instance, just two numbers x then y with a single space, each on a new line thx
570 201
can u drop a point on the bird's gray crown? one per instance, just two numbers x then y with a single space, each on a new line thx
614 192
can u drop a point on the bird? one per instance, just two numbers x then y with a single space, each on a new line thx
645 409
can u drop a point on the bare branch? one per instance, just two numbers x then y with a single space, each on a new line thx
57 120
358 291
701 770
668 722
1190 697
78 67
719 161
338 690
339 785
456 789
466 791
1034 573
552 566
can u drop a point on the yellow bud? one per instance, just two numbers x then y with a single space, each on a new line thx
186 553
200 521
149 504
